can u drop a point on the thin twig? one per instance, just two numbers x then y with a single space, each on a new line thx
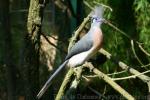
132 46
146 65
144 51
88 5
105 88
96 92
53 37
115 73
132 76
116 28
52 43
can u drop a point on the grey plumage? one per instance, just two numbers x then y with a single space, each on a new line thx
84 44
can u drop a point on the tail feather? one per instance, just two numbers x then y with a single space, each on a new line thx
48 83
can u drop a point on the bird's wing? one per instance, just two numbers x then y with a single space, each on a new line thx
84 44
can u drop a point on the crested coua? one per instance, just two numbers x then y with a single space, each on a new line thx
84 49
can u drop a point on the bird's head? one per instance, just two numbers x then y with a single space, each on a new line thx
97 14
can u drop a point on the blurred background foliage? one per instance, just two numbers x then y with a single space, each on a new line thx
131 16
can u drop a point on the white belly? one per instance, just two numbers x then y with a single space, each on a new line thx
79 59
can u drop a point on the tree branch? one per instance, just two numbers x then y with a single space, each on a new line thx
77 32
52 43
115 73
144 51
132 46
71 91
129 77
66 80
146 65
109 81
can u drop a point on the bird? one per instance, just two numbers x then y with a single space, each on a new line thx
84 49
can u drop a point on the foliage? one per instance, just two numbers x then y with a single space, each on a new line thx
142 14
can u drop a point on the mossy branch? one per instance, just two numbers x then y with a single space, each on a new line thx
66 80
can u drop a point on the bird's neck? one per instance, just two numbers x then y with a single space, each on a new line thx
96 24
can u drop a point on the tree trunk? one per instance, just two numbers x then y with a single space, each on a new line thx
30 68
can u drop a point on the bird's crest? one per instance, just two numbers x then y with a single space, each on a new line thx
98 12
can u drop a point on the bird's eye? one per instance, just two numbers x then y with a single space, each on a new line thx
94 18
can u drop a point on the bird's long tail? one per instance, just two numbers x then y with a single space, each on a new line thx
48 83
